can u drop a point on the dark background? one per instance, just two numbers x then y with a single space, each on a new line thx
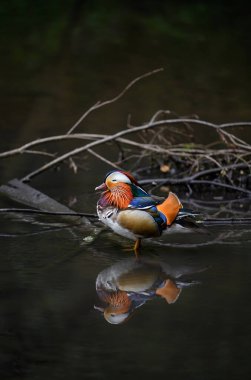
58 58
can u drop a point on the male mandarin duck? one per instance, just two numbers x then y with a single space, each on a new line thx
130 211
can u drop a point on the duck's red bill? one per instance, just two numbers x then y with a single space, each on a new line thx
101 187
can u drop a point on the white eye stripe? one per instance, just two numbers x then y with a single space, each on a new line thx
118 177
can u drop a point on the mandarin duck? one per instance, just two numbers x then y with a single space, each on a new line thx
130 211
129 284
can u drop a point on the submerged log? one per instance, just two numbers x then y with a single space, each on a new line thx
27 195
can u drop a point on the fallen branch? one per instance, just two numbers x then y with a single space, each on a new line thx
116 136
191 164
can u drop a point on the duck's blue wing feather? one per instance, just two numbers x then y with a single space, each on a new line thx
143 202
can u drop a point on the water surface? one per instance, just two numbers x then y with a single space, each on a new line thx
50 328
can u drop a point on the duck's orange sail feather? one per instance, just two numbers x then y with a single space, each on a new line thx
170 208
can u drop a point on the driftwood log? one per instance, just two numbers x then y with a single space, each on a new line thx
39 203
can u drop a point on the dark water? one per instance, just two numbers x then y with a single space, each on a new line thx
56 61
49 327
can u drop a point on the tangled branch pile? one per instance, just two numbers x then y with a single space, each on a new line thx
163 148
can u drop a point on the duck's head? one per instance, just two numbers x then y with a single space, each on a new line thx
118 189
115 178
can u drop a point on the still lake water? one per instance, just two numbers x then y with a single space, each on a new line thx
49 327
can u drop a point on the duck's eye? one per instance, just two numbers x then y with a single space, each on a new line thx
114 180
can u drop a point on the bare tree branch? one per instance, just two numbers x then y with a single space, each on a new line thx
112 164
115 136
106 102
190 163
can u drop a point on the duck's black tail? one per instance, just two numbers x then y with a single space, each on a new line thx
189 219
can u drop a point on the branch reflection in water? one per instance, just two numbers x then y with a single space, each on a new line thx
129 284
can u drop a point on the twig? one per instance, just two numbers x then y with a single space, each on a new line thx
106 102
192 177
236 188
34 211
39 152
226 221
104 159
76 136
238 124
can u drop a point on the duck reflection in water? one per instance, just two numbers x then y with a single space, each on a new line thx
129 284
